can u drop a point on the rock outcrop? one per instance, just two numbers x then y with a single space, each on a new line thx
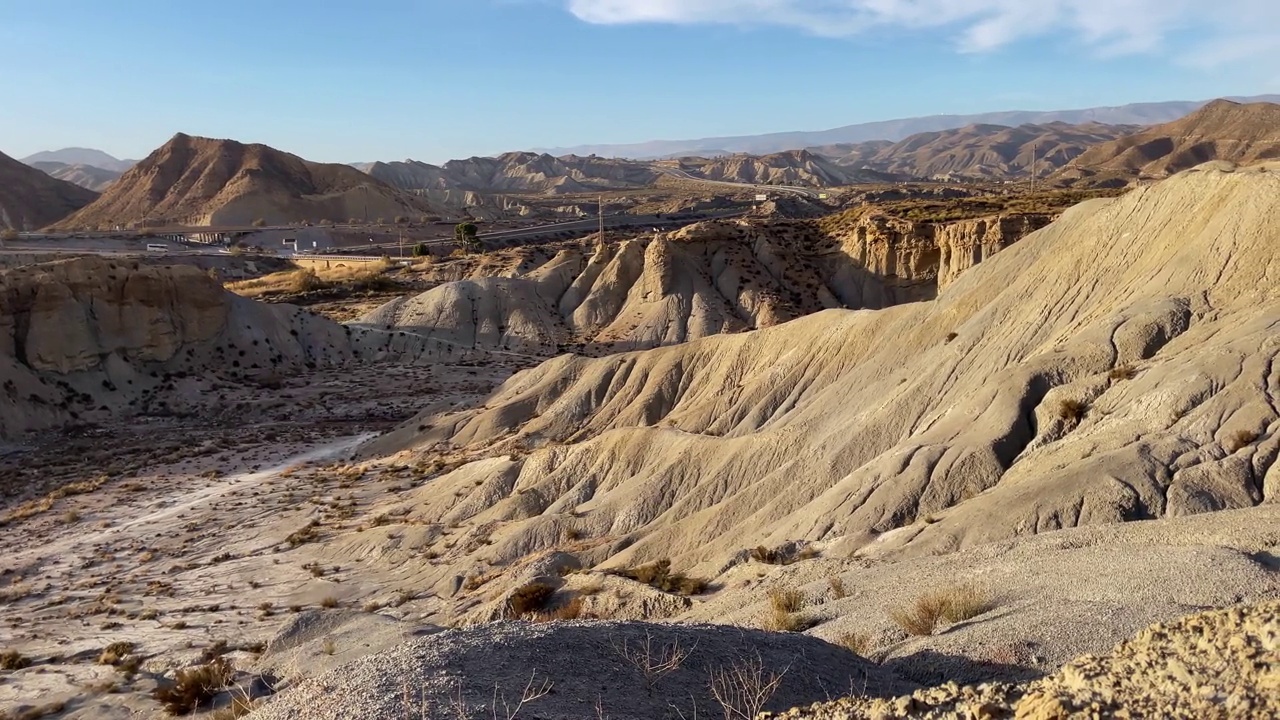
706 279
92 338
1221 664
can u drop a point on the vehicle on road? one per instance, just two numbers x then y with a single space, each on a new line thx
157 247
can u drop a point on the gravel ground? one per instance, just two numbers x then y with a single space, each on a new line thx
589 670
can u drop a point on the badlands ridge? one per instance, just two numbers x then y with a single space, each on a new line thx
1078 422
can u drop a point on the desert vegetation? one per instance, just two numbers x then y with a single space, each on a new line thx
952 605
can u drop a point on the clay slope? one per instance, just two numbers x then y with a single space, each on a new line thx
30 199
988 151
93 338
1221 130
706 279
796 167
1115 366
86 176
517 172
204 182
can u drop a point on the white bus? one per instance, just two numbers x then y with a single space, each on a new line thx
157 247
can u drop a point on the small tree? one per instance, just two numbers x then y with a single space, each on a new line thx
467 236
421 250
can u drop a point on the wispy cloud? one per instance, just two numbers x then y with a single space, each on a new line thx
1224 30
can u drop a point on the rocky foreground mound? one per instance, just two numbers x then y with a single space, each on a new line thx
1217 665
616 670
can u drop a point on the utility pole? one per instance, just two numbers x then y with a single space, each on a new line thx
1035 146
401 244
601 214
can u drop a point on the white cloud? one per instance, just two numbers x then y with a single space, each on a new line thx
1224 30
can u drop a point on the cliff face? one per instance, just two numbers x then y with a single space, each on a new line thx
914 260
89 338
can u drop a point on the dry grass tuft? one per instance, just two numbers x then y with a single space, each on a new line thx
953 605
837 587
784 610
194 687
858 643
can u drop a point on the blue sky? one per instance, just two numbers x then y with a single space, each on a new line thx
348 81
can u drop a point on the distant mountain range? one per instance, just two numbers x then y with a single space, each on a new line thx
895 130
81 156
86 176
30 199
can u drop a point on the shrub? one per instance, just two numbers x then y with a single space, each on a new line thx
13 660
571 610
660 576
194 687
1240 439
1071 411
329 602
1122 372
529 598
115 653
260 222
421 250
780 556
9 235
952 336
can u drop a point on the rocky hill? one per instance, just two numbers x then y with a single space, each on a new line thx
86 176
981 151
517 172
1031 395
706 279
795 167
30 199
200 181
1221 130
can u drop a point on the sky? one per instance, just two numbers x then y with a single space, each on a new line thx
353 81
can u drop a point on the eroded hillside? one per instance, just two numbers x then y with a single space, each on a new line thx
1031 395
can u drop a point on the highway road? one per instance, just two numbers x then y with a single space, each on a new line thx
122 245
